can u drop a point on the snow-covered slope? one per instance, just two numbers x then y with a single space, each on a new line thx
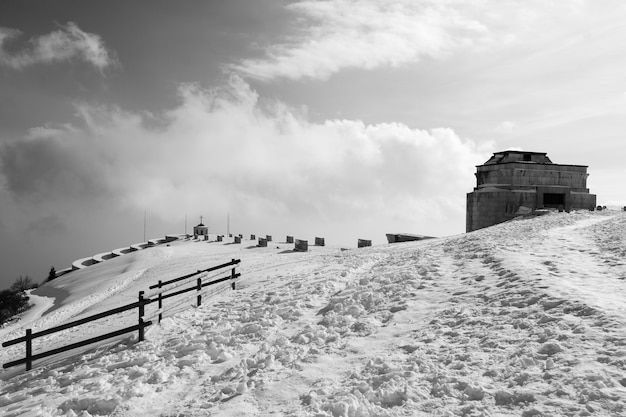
526 318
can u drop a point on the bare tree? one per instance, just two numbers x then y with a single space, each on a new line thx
23 283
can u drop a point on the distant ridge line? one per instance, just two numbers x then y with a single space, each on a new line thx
104 256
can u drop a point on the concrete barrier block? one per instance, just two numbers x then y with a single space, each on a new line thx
262 243
301 245
289 239
362 243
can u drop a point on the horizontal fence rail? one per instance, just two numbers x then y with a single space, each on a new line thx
28 339
197 286
74 323
28 360
140 304
213 268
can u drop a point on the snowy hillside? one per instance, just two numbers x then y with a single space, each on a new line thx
526 318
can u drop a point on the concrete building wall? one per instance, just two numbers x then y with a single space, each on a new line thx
520 174
511 179
492 206
583 200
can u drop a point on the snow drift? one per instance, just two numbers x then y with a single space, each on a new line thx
526 318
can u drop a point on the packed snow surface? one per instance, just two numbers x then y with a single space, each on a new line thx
527 318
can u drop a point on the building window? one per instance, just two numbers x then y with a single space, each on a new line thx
527 157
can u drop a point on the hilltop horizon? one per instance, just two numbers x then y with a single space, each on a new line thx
343 118
522 318
341 243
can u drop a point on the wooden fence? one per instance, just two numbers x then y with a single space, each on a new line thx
139 305
163 292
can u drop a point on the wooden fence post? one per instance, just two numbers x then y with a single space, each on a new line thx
141 313
29 349
199 300
232 276
160 301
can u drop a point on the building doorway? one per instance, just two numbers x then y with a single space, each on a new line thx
553 200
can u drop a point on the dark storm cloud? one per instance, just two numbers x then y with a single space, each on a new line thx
47 226
43 167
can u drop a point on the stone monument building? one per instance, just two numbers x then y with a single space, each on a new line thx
512 183
201 230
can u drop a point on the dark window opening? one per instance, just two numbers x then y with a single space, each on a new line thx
553 200
527 157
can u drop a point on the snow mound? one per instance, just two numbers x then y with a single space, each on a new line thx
521 319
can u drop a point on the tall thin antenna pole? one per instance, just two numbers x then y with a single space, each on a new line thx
144 225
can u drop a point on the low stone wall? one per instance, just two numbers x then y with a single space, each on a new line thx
101 257
139 246
104 256
63 272
123 251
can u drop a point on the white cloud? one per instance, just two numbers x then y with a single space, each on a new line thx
367 34
67 43
362 34
506 127
227 150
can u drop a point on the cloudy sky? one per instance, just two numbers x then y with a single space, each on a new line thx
339 118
